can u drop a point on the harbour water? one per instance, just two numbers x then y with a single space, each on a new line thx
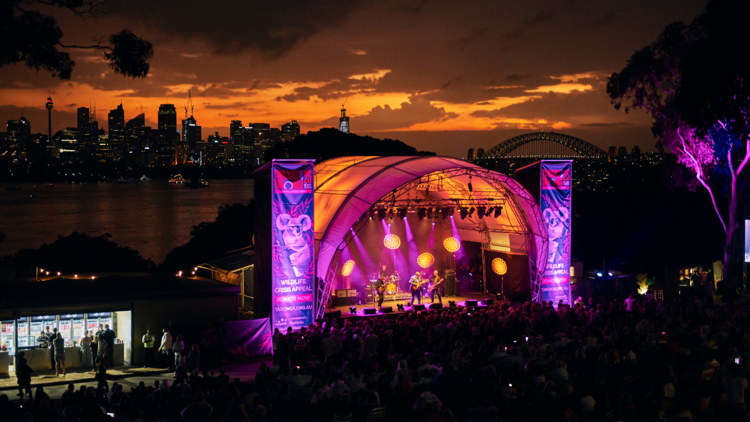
151 216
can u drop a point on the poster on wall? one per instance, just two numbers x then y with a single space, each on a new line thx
555 198
293 243
747 240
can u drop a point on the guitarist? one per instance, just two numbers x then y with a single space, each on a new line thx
380 290
433 288
415 282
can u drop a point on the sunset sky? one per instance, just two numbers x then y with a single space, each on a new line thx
439 75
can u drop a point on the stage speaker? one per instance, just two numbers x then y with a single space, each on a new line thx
334 314
341 293
386 309
450 283
369 311
488 302
418 307
436 306
470 303
351 293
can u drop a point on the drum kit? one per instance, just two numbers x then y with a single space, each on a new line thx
391 288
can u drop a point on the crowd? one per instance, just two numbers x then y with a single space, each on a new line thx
676 360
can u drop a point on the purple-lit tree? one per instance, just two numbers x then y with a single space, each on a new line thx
693 80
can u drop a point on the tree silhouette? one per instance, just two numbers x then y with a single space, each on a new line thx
693 80
33 38
330 143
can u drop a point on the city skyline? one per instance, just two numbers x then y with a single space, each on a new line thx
428 73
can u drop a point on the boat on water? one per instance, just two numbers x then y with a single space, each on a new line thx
144 178
177 178
197 183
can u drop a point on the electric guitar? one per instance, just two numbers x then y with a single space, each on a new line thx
416 287
381 288
434 285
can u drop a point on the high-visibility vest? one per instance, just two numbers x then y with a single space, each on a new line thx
148 341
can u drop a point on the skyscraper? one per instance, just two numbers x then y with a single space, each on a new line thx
290 131
84 137
19 134
168 135
49 106
344 121
116 129
236 131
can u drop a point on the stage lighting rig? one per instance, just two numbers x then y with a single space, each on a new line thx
352 310
390 214
381 214
471 211
498 211
422 213
401 213
371 214
446 212
471 189
464 213
481 211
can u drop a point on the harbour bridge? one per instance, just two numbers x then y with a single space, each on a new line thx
539 145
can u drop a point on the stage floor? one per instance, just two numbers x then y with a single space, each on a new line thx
460 302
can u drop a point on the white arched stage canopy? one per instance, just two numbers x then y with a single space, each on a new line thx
349 189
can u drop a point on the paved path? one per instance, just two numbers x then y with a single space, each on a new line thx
127 376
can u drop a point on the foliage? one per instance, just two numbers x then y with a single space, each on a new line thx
76 254
231 230
693 81
330 143
34 38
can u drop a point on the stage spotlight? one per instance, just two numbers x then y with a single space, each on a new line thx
599 274
464 212
471 211
609 274
446 212
498 211
400 307
390 214
422 213
371 214
352 310
471 189
481 211
401 213
381 214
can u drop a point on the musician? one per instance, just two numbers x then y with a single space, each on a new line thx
434 287
380 290
415 282
383 273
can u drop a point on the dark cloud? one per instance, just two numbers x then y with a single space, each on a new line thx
267 28
476 34
606 124
70 105
416 110
236 105
229 116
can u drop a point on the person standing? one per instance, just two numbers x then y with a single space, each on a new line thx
194 359
166 346
86 356
380 290
51 336
101 351
109 337
23 373
148 348
434 288
178 348
59 346
415 282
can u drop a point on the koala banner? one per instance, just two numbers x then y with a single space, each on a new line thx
293 243
555 195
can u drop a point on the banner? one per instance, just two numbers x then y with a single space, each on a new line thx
555 203
293 243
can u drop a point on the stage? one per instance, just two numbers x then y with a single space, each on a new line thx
460 303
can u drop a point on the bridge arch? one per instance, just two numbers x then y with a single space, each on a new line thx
523 146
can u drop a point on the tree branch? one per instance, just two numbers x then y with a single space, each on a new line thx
96 46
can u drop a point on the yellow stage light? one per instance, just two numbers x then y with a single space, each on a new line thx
391 241
499 266
347 269
452 244
425 260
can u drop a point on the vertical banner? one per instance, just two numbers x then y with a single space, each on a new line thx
293 243
556 188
